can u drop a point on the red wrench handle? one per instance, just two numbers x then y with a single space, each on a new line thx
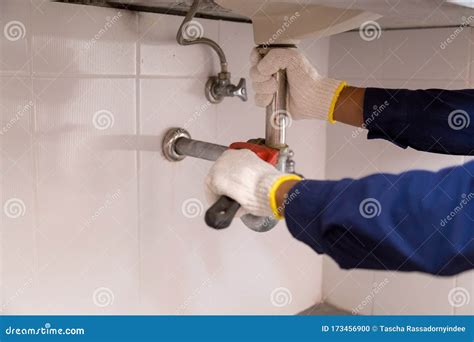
270 155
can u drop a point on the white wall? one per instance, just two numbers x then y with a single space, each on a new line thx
102 220
101 227
398 59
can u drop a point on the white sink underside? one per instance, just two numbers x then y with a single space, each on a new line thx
326 17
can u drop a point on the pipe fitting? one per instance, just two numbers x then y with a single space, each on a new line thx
220 86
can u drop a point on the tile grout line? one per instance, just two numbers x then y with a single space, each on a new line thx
96 76
137 155
35 152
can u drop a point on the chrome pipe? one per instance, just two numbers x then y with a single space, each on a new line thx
177 144
276 121
199 149
277 115
195 32
217 87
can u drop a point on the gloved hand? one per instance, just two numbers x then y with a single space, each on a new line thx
310 94
244 177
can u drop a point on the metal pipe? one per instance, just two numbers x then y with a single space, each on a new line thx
276 115
196 31
198 149
276 121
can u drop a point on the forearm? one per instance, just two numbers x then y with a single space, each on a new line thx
282 194
349 107
433 120
393 222
348 110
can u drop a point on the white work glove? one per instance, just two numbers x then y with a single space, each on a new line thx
310 95
244 177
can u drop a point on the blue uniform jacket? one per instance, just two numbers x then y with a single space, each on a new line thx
413 221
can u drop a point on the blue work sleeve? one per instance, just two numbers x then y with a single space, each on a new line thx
414 221
433 120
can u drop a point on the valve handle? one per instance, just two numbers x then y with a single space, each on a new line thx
240 90
221 214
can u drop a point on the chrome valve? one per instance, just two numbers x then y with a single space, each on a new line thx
220 86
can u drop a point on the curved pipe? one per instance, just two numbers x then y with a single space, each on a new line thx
209 42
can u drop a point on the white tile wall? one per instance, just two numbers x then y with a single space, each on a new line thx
101 226
16 37
102 229
168 58
17 190
87 40
398 59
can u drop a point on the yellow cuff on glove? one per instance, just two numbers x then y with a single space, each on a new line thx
332 106
273 203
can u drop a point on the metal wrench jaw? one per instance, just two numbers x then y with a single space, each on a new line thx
259 224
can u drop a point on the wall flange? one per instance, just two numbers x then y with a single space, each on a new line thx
169 143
